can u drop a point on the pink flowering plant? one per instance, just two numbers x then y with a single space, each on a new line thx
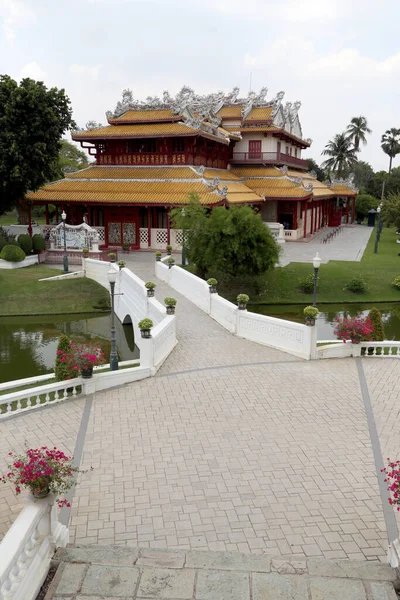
79 357
353 329
42 471
392 478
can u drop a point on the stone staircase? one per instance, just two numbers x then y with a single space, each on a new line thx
121 572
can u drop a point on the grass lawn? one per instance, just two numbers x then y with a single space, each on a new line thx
10 218
21 293
378 270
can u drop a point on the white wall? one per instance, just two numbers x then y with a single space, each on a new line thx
27 262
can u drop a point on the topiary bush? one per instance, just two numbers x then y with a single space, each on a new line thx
3 242
38 242
12 253
25 242
378 334
61 370
306 284
396 282
356 285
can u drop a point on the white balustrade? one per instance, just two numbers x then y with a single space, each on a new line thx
385 349
27 549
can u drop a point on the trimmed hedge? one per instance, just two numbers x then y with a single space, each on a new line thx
39 243
25 242
12 253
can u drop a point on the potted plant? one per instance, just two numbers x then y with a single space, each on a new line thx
169 249
171 262
353 329
242 301
126 246
212 283
85 252
112 256
310 313
121 264
80 359
43 471
170 304
150 286
158 255
145 326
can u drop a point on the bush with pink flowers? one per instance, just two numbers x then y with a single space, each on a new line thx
392 478
353 329
79 357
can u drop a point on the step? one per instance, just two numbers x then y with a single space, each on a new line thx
128 573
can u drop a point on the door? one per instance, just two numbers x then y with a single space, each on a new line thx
255 149
122 225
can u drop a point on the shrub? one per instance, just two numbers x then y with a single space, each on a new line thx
171 261
212 281
61 370
378 334
122 263
396 282
158 253
3 242
39 244
306 284
103 304
12 253
170 301
310 312
85 250
145 324
357 284
243 298
25 242
150 285
354 329
169 248
112 256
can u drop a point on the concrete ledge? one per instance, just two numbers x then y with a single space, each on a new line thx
27 262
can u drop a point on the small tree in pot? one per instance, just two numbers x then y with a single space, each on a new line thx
310 313
126 246
121 264
150 286
112 256
171 262
145 326
85 252
169 249
170 304
242 301
158 255
212 283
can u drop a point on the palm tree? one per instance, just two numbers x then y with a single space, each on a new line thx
342 154
390 144
357 131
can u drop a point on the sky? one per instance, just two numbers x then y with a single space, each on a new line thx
340 58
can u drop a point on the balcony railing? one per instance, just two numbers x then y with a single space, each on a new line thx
257 158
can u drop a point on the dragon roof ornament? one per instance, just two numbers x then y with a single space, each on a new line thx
222 193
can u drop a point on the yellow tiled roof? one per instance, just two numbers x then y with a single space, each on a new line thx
112 172
139 130
128 187
261 129
260 114
223 174
146 116
121 198
256 171
320 189
343 190
242 198
231 112
277 188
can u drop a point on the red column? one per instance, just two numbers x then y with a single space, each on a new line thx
312 217
149 226
47 214
305 218
353 210
168 229
29 221
295 216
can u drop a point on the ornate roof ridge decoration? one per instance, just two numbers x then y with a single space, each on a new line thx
199 170
349 182
211 184
297 180
308 186
223 192
313 174
284 169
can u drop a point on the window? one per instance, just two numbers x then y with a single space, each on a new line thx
295 152
141 146
178 145
101 148
287 150
255 149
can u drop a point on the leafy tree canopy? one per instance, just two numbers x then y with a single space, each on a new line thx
234 241
357 131
341 153
313 166
364 203
363 173
32 122
390 144
391 210
70 159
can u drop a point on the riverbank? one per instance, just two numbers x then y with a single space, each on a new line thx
22 294
280 286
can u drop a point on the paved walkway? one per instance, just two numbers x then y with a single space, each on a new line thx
348 245
231 447
98 572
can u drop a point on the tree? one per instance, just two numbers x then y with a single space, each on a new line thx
374 185
390 144
378 334
391 211
234 241
32 122
313 166
70 159
357 130
364 203
363 173
341 154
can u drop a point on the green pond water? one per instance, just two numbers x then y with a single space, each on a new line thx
326 319
28 344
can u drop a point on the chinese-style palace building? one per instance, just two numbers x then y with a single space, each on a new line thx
226 150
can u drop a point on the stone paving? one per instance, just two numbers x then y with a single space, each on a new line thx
348 245
98 573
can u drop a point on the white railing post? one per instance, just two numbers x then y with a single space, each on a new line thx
313 342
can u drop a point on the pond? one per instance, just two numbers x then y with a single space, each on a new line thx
28 344
329 312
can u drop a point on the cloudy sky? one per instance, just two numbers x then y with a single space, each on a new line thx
341 58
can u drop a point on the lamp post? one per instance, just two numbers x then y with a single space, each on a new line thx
183 241
316 264
64 218
112 277
378 228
